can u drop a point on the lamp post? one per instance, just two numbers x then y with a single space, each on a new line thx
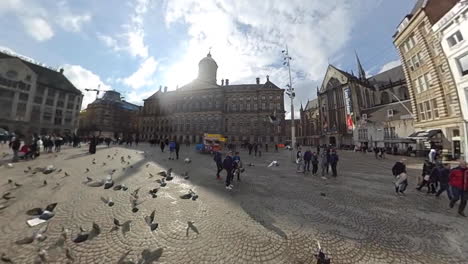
290 92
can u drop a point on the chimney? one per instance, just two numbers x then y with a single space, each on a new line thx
258 80
160 88
268 78
61 70
222 82
227 81
165 89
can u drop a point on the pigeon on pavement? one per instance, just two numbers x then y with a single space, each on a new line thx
38 235
84 236
150 221
39 211
108 202
6 196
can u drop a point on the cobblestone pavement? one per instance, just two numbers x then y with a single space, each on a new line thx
274 215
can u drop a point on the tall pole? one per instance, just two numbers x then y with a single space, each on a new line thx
290 92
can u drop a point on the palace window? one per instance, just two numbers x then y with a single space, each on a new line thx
435 109
422 114
463 64
455 39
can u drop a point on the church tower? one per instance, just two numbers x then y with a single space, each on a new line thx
362 73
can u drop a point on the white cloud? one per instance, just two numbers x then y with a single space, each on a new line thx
38 28
83 78
137 98
143 76
390 65
73 23
247 38
132 39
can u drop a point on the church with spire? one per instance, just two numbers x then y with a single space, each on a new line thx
240 112
342 101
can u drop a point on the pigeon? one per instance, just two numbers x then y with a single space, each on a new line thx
108 202
150 221
87 170
118 187
162 182
109 183
125 226
187 160
104 164
42 255
94 163
44 183
128 162
96 184
147 165
66 174
7 196
17 185
165 173
131 167
274 163
150 175
38 235
10 181
188 195
83 235
88 179
192 227
60 170
251 165
108 156
5 258
134 194
153 192
26 171
44 214
323 194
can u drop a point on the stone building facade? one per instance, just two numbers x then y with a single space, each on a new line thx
452 32
36 99
111 117
308 130
240 112
433 93
342 97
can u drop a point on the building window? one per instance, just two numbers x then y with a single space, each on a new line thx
23 97
422 114
255 107
389 112
416 60
463 64
278 106
263 106
435 109
362 134
410 65
428 110
455 39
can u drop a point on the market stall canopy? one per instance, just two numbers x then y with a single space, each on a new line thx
425 134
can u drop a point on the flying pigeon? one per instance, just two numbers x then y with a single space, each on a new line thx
147 165
153 192
7 196
38 235
150 221
88 180
150 175
192 227
108 202
83 235
161 182
44 214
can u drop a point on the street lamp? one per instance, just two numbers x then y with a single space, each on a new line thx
290 92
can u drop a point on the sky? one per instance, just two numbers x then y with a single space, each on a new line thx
136 46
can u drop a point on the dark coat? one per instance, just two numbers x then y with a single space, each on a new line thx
217 158
334 158
308 155
227 163
444 175
398 168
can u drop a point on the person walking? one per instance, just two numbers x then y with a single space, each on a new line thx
162 145
15 144
299 160
171 150
266 147
92 145
401 178
276 147
458 181
219 163
324 163
334 162
376 152
255 149
315 162
250 147
177 149
444 174
227 165
237 166
426 174
307 159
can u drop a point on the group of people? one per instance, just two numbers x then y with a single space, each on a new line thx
438 178
232 165
30 148
327 159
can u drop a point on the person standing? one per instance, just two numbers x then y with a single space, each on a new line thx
92 145
177 149
315 162
219 163
266 147
444 174
458 181
237 165
250 147
162 145
376 152
334 162
307 159
227 165
426 174
324 163
108 141
299 160
15 144
276 147
255 149
399 172
171 150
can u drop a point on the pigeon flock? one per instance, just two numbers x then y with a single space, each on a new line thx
41 215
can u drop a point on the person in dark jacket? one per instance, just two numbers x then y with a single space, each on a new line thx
250 147
92 145
444 174
458 181
162 145
255 149
219 163
177 149
426 174
315 161
228 165
15 145
307 159
399 172
334 162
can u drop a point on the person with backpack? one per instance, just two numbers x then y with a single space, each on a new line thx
458 181
334 162
315 162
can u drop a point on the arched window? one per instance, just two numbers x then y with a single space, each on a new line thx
384 98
